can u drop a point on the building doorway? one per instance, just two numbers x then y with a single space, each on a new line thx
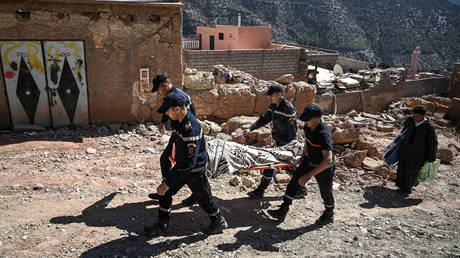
45 82
211 42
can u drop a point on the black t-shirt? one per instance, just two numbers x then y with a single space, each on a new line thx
318 140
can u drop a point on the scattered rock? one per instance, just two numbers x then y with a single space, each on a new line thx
205 127
354 158
393 176
372 116
285 79
224 136
91 150
371 149
372 164
385 128
149 150
213 128
353 113
242 122
238 136
340 136
282 178
384 172
248 181
335 185
37 187
445 155
235 181
165 139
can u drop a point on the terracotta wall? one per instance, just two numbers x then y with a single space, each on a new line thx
119 38
235 37
253 37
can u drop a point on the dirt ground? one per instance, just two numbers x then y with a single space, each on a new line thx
59 200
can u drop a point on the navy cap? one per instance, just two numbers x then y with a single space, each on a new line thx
311 111
274 88
159 78
171 100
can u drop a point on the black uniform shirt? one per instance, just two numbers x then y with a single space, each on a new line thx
189 148
284 121
318 140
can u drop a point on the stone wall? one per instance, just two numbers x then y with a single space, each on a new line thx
266 64
420 87
229 100
351 64
119 39
374 99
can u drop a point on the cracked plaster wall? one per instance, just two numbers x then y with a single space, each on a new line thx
119 40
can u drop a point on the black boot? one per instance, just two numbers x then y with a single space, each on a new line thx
159 228
327 216
301 193
216 226
258 193
190 201
154 196
279 214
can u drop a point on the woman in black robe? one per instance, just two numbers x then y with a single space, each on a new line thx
419 145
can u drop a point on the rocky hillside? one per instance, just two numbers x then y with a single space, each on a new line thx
382 31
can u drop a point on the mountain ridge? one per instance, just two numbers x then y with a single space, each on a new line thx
382 31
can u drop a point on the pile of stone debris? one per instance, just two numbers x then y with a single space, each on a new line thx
358 137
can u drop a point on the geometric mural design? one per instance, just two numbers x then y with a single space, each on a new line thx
68 90
27 91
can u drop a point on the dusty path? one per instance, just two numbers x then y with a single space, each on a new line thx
95 205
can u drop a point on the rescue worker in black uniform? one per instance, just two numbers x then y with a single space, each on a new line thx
283 114
163 85
188 168
317 161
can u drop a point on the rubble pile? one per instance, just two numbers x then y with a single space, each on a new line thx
236 93
339 82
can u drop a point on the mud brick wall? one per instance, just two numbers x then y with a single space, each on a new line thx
416 88
351 64
119 38
266 64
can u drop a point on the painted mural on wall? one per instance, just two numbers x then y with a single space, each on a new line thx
45 82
